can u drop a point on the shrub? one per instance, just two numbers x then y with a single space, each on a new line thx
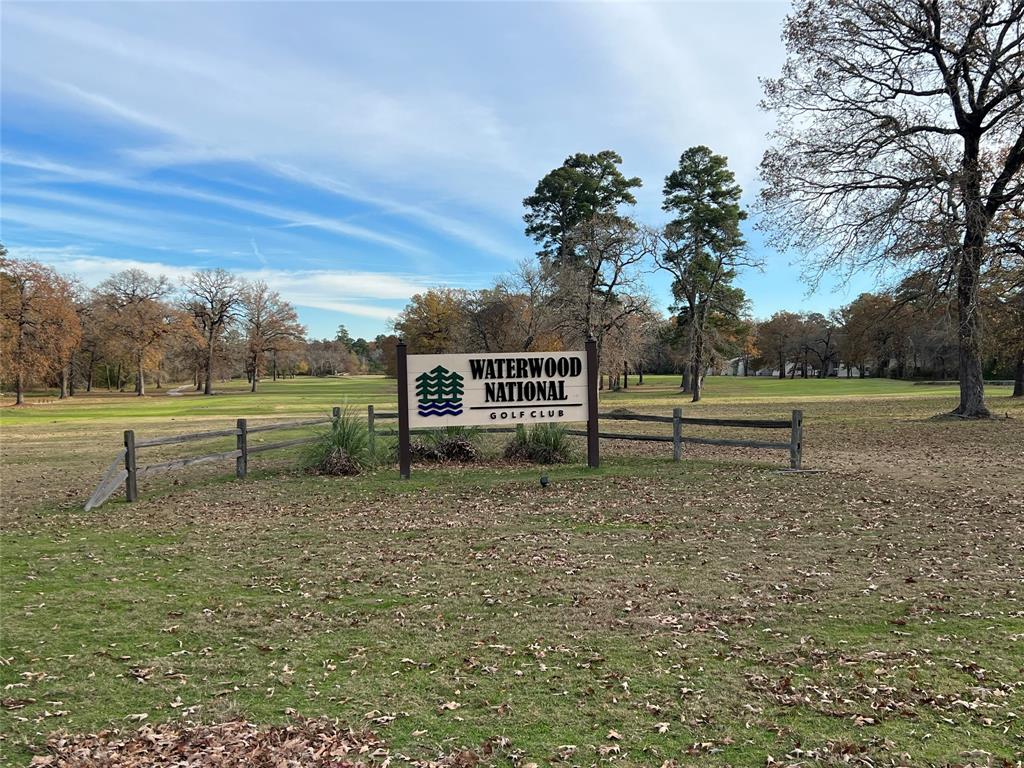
446 444
343 449
541 444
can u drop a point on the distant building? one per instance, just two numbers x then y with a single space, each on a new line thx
737 366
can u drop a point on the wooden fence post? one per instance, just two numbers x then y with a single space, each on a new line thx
404 449
677 434
371 430
796 437
242 444
131 482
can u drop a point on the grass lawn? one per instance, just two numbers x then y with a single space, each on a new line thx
711 612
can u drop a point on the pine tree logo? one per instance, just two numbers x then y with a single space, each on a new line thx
439 392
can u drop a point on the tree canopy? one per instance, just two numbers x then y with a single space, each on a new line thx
579 189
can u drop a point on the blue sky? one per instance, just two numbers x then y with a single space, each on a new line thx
354 154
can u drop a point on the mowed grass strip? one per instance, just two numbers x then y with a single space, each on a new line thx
713 611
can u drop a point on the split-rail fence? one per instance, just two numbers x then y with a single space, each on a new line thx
125 467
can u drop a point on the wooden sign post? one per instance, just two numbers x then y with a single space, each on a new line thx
498 390
593 444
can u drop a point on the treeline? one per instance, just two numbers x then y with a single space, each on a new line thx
896 334
904 333
134 330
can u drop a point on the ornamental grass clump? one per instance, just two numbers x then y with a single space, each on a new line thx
343 449
541 444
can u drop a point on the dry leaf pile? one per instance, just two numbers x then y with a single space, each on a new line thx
236 744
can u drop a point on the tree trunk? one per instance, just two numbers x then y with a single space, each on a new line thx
19 389
625 375
64 382
639 375
976 221
697 376
208 384
140 380
1018 379
972 382
275 366
88 376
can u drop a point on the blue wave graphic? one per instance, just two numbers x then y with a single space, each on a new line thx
440 410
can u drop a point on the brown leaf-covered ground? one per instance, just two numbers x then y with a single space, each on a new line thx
714 612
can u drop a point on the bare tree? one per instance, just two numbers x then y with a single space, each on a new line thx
599 287
271 325
532 325
212 298
900 140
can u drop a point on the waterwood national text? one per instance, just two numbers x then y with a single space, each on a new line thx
446 390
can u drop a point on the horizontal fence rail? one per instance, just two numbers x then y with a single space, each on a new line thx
794 424
125 468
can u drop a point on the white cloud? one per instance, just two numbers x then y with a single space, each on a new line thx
350 292
691 70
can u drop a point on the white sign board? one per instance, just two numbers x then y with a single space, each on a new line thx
497 389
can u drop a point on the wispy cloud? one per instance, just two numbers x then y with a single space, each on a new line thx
355 293
288 216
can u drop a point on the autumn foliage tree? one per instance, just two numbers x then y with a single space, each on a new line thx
40 327
777 339
433 321
140 317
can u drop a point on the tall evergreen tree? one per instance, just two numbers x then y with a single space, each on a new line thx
583 187
702 249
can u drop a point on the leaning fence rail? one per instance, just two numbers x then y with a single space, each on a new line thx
125 467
